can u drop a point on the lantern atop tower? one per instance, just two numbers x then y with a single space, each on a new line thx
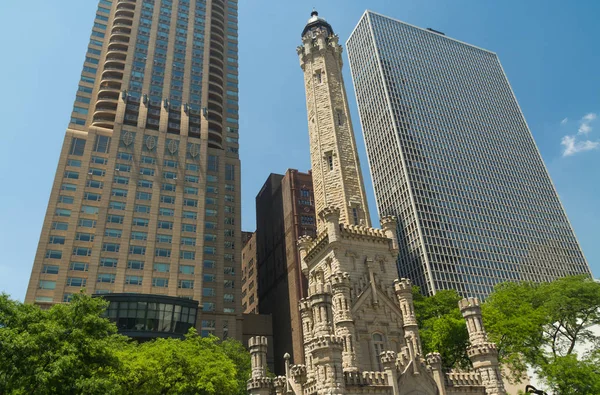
316 23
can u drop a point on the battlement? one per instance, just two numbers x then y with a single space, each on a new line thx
328 341
434 359
316 290
482 349
279 382
298 372
388 221
467 303
304 240
339 280
366 379
403 285
363 232
388 358
257 341
329 212
258 383
305 306
458 379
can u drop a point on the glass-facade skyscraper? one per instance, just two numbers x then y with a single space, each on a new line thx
452 157
146 197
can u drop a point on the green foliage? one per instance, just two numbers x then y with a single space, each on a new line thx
540 325
442 327
72 349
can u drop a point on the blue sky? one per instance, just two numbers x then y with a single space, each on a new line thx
549 50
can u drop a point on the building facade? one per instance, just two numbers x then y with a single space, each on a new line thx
285 210
146 197
360 332
249 276
452 157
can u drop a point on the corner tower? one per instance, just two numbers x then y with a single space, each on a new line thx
337 177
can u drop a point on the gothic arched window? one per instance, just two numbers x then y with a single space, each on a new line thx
378 348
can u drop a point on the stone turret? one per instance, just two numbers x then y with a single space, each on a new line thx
321 304
389 226
259 384
331 220
342 318
434 360
483 354
403 289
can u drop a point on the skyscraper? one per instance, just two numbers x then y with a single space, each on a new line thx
146 197
285 210
452 157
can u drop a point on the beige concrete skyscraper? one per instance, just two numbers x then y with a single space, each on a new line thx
146 197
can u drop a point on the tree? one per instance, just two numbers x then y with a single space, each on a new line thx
195 365
73 349
442 327
541 325
67 349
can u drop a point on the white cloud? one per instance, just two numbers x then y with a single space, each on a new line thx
572 143
584 123
572 146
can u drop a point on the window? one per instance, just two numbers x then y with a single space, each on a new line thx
108 262
164 239
209 264
94 184
210 250
144 196
111 247
228 284
119 192
133 280
145 184
160 282
50 269
135 265
167 212
96 172
87 223
229 270
208 291
78 266
113 233
165 225
305 193
68 187
208 306
229 172
189 255
228 298
84 237
213 163
318 77
194 179
188 228
190 190
72 175
139 236
307 220
168 187
140 208
355 215
114 219
117 206
190 202
119 167
67 298
102 144
106 278
56 240
45 284
162 267
82 251
162 252
140 222
228 310
329 158
169 175
77 146
378 348
167 199
186 284
91 210
76 282
188 241
186 269
137 250
60 226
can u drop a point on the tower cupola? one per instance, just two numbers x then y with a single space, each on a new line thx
316 23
